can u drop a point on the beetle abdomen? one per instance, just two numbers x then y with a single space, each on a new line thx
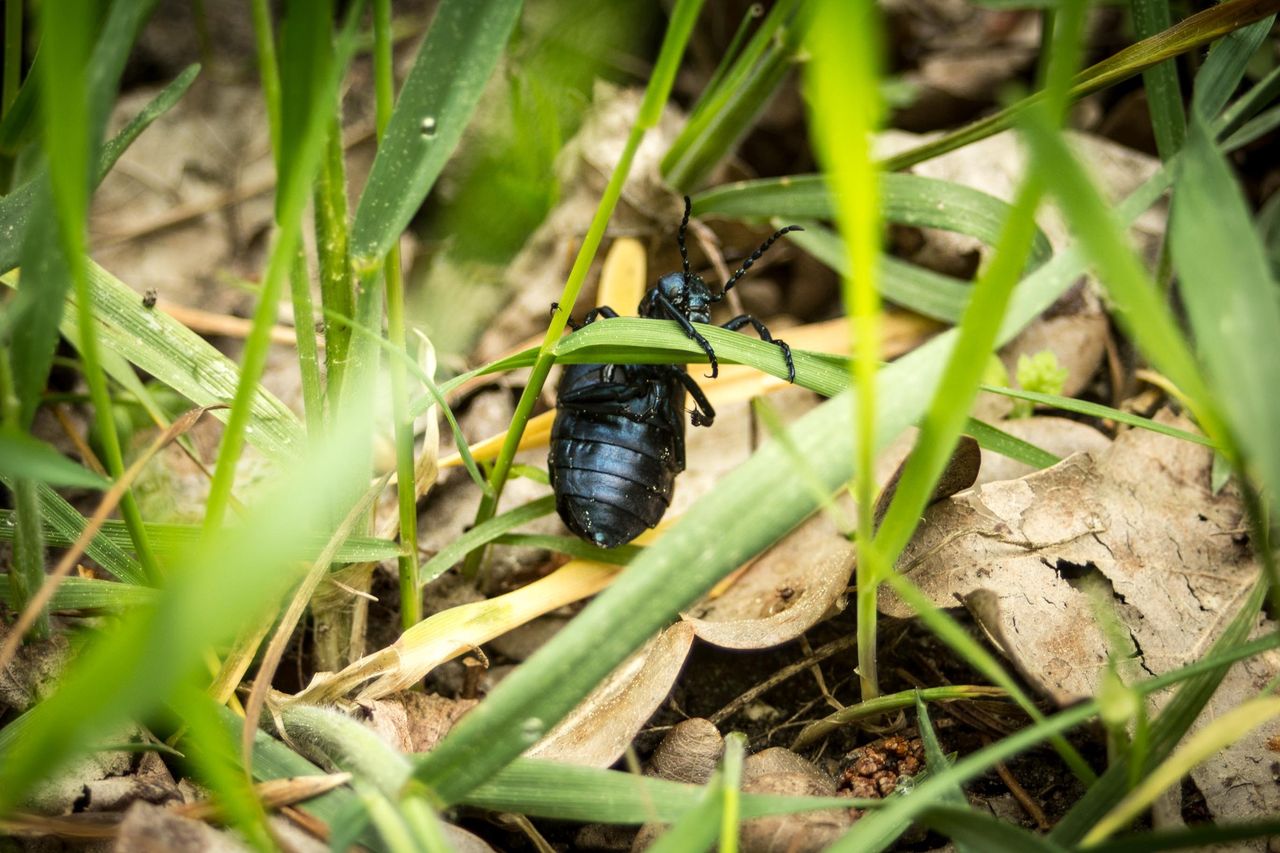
612 476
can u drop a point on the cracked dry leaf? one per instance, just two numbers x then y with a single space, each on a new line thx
1139 517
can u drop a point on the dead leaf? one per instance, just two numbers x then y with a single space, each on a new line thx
598 731
1059 436
1140 517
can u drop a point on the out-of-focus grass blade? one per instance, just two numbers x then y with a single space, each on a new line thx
34 316
1231 298
435 104
209 597
973 830
90 594
181 359
907 200
923 291
1203 836
171 539
1225 67
1175 719
1221 732
1164 95
760 498
16 206
1097 410
62 523
22 456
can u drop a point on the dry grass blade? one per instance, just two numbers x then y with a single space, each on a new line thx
273 793
275 649
449 633
109 501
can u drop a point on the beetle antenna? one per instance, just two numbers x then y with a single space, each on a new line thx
755 256
684 225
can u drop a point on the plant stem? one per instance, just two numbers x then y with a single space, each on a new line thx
410 595
304 329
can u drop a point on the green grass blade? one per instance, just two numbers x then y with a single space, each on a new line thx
16 207
172 539
484 533
63 523
1198 837
1164 95
22 456
923 291
89 594
436 102
181 359
998 441
911 200
1096 410
1232 300
1226 66
974 830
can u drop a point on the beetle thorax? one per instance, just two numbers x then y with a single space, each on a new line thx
688 294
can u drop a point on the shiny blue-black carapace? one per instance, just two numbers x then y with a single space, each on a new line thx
618 439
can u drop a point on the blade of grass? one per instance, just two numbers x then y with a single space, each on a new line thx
999 441
89 594
905 199
1232 300
24 457
170 539
1096 410
1164 95
973 830
436 102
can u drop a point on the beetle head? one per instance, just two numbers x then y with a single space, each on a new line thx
688 294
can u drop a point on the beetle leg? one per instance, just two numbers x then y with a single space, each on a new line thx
603 311
738 322
703 414
675 314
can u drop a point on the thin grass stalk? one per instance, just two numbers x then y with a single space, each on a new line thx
678 30
268 68
735 748
304 329
410 597
846 46
333 240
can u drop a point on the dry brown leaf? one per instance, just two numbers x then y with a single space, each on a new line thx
1140 518
598 731
1059 436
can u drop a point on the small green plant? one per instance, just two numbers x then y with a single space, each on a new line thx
1041 374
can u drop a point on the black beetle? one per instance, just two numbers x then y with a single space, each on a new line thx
618 439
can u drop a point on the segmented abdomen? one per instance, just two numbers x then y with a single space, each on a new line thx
613 475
